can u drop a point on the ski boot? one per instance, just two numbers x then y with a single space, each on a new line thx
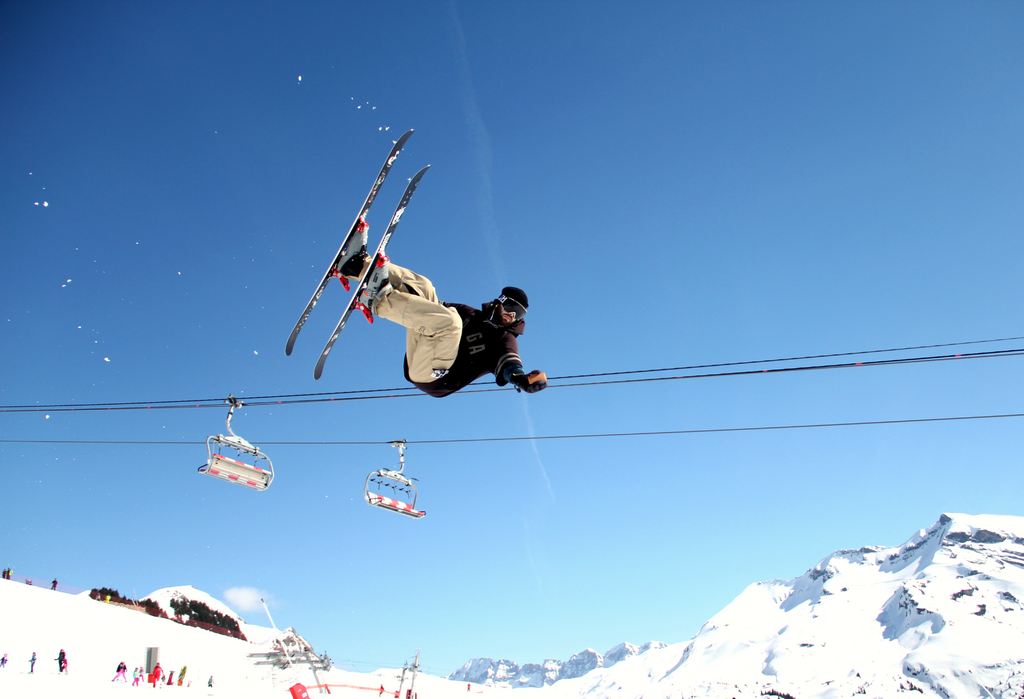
376 288
352 257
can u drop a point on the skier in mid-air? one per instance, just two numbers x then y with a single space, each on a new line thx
448 345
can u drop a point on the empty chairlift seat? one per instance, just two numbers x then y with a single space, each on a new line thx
393 490
249 475
257 475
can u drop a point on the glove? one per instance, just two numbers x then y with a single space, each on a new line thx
531 383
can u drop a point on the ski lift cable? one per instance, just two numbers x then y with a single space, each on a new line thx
711 375
216 402
788 359
408 392
539 438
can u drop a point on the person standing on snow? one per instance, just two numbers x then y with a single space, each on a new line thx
448 345
121 670
3 661
62 662
32 663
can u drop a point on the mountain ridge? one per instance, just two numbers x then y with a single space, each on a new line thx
939 615
506 673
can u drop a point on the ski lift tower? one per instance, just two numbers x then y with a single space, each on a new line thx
412 685
288 651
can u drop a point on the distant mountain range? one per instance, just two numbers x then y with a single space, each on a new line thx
939 617
505 673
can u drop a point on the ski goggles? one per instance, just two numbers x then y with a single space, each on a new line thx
512 306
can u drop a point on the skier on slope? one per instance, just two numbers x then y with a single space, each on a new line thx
448 345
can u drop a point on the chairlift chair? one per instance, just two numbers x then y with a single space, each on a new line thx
402 488
232 470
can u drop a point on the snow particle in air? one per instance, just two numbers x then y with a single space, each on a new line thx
106 359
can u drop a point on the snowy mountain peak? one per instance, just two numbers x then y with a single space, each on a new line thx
505 673
940 615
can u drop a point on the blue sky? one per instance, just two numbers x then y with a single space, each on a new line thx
673 184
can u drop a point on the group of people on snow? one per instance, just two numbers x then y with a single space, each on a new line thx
157 677
8 572
139 674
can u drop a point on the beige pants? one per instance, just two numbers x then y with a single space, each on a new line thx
433 330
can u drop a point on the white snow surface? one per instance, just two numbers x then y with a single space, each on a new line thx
939 616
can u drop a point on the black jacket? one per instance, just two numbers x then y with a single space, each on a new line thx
485 348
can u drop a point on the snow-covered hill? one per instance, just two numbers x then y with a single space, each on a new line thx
97 636
163 597
505 673
939 616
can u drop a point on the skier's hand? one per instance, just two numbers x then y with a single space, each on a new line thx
531 383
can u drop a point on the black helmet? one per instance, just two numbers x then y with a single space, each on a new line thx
514 301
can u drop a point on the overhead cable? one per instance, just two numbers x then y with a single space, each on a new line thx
411 391
472 440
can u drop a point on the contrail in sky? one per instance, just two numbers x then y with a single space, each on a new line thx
480 143
533 444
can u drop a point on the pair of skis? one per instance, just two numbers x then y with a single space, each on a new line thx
378 257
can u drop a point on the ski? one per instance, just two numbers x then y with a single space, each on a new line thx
356 227
376 260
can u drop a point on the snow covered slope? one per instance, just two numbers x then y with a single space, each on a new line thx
97 636
940 616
